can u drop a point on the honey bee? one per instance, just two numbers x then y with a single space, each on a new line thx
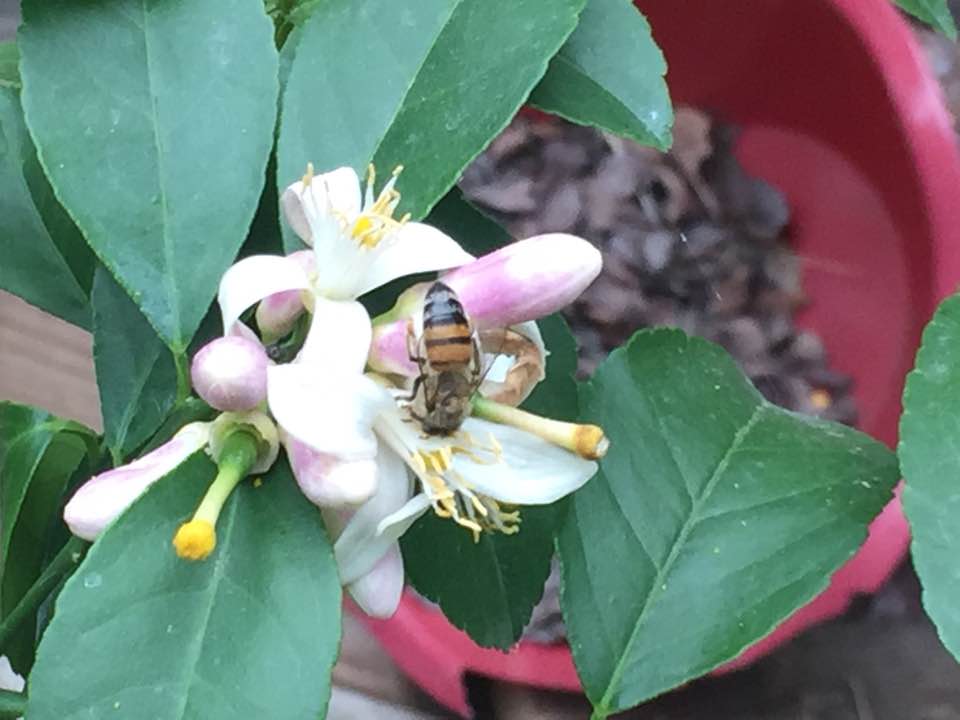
448 354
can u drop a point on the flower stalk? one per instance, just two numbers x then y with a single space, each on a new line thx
197 538
587 441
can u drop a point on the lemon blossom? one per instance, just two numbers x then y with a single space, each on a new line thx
479 477
321 400
357 246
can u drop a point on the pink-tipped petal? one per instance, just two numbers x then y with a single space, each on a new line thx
328 481
104 497
527 280
388 350
230 373
378 592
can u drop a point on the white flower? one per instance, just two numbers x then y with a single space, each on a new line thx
356 247
322 401
477 478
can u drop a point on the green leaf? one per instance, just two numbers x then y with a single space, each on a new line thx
155 141
489 588
412 82
610 74
9 62
477 233
930 459
715 515
135 370
33 266
252 631
935 13
38 453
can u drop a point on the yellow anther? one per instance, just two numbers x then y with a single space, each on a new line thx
308 176
397 170
478 505
195 540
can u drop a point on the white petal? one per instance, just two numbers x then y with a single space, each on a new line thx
414 248
328 481
533 471
360 545
307 207
378 592
343 190
339 337
330 412
254 278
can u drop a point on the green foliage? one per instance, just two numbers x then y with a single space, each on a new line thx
176 115
9 62
135 370
935 13
413 84
610 74
38 453
715 515
930 459
252 631
32 226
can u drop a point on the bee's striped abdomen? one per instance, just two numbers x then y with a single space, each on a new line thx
447 335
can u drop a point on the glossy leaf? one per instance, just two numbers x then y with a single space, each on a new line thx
489 588
930 460
155 141
38 453
715 515
609 73
135 370
935 13
414 83
33 267
9 61
253 631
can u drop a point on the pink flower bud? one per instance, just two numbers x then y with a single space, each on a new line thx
230 373
329 481
104 497
277 313
520 282
526 280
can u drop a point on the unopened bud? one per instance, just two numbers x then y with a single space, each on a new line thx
230 373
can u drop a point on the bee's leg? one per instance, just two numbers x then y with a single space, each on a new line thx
417 382
412 353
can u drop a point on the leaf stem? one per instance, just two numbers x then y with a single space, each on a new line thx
65 560
12 704
183 376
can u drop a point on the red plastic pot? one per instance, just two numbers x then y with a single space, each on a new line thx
839 110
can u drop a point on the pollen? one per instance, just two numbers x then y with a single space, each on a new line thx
453 497
195 540
376 220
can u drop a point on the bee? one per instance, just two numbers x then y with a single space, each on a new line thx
449 356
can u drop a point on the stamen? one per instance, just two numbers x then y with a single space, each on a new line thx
376 220
308 176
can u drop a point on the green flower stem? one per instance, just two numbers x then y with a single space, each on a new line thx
239 454
12 704
65 561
